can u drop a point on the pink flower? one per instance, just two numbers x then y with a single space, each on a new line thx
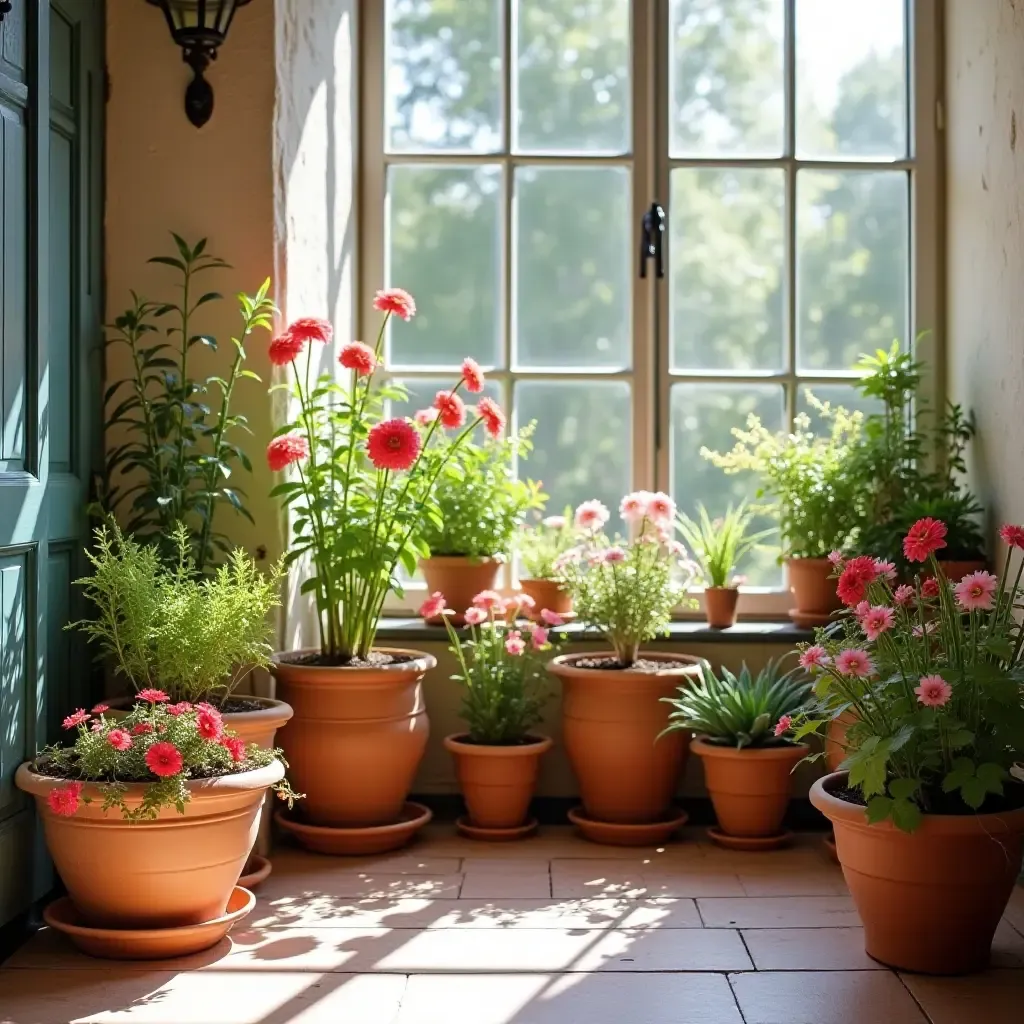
179 709
488 599
876 621
286 348
855 663
813 657
783 725
930 587
285 450
854 579
209 724
661 509
550 618
152 696
235 746
975 591
886 570
514 643
164 759
554 522
836 557
393 444
97 726
1013 535
141 729
99 709
397 301
119 739
614 554
516 603
538 637
451 410
311 328
76 718
424 417
903 595
591 515
863 607
633 507
472 375
63 800
474 616
359 357
933 691
433 607
490 412
924 538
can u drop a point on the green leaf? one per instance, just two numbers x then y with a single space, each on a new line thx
973 792
906 815
879 808
169 261
992 776
903 789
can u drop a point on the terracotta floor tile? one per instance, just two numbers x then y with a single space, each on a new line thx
809 949
807 853
509 879
794 882
995 997
587 878
417 860
365 884
568 999
825 997
779 912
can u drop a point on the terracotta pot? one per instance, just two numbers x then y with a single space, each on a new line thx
814 594
611 720
749 788
356 738
955 570
497 782
930 900
720 606
835 740
174 870
547 594
460 579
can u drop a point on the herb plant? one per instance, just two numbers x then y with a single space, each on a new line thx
540 545
719 545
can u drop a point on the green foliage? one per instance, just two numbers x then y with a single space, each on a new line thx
718 545
541 544
165 627
739 710
173 453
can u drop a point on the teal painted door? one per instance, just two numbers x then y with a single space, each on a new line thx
51 107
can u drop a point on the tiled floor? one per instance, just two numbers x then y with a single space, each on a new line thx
549 931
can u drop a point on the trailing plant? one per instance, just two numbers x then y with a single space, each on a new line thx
740 710
163 626
173 450
541 544
719 545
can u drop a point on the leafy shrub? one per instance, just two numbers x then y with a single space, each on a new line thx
719 545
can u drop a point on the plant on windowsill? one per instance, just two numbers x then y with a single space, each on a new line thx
625 589
739 722
540 545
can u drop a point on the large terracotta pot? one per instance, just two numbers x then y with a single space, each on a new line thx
547 594
720 606
356 738
174 870
497 782
814 594
460 579
930 900
749 788
611 721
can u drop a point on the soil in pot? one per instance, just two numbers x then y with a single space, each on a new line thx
720 606
460 579
546 594
814 594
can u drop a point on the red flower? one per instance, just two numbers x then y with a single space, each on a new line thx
854 579
490 412
76 718
235 745
1013 535
433 607
63 800
393 444
930 587
153 696
286 449
179 709
924 538
285 348
472 375
164 759
359 357
209 725
310 328
451 410
119 739
395 300
99 709
141 729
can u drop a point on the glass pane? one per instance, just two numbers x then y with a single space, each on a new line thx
573 267
443 242
703 415
582 445
572 89
852 265
726 257
851 89
845 395
726 78
443 82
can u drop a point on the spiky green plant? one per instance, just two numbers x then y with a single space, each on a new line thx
718 545
739 710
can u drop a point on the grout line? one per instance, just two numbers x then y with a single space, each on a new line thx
924 1013
732 992
743 939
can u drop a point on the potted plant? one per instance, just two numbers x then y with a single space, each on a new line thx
149 819
739 722
718 547
358 503
540 546
929 825
626 590
480 504
502 671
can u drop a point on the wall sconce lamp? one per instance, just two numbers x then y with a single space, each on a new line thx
199 27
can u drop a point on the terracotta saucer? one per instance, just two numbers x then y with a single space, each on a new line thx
147 943
495 835
608 833
350 842
808 620
750 843
829 842
256 870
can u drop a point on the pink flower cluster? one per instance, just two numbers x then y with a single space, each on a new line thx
489 605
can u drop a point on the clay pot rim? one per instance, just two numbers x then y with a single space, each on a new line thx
681 665
782 752
454 560
932 825
719 590
271 709
543 579
538 745
809 561
421 663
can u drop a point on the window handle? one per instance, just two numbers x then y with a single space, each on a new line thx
652 240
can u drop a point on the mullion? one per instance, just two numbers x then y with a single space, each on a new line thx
791 309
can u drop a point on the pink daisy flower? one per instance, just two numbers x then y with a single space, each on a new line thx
451 410
854 579
152 696
359 357
164 759
311 328
235 746
930 587
976 591
903 595
614 554
835 557
474 616
397 301
538 637
633 507
876 621
550 618
179 709
472 375
209 724
141 729
554 522
514 643
285 348
285 450
854 663
393 444
76 718
493 418
933 691
424 417
924 538
783 725
99 709
591 515
813 657
488 599
119 739
63 800
886 570
1013 535
433 607
661 509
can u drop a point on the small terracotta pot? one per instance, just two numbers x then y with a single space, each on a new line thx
720 606
835 740
814 594
749 788
356 738
171 871
611 721
497 782
931 899
460 579
547 594
955 570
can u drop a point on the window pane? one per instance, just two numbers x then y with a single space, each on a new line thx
726 78
851 78
443 82
726 256
572 76
845 395
443 242
852 265
582 445
703 415
423 389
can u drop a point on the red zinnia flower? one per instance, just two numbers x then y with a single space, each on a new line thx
286 449
395 300
141 729
63 800
164 759
153 696
930 587
490 412
854 579
179 709
235 745
393 444
209 725
119 739
311 328
359 357
924 538
451 410
1013 535
100 708
472 375
76 718
285 348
